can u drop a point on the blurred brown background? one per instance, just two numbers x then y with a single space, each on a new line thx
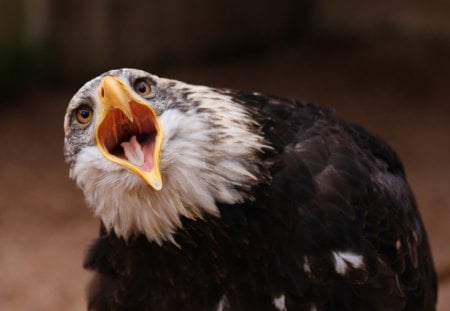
383 64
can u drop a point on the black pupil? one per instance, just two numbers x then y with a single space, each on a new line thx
142 88
85 113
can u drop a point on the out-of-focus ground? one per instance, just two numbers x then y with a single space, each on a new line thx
45 226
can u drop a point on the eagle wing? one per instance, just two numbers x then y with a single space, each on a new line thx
353 237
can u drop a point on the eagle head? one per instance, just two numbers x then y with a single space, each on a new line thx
147 151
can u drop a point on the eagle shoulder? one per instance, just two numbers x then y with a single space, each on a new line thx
350 217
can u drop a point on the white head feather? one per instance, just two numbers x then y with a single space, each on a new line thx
209 155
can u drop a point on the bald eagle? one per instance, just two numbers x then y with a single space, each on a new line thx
218 199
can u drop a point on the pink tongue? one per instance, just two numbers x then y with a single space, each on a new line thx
133 152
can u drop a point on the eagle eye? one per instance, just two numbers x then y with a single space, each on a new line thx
83 115
143 87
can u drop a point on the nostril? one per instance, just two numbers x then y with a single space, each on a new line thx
103 92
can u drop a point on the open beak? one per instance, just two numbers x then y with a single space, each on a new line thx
129 132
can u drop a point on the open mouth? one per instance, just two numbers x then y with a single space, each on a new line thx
130 141
129 132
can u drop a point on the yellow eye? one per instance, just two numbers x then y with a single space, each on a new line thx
142 87
83 115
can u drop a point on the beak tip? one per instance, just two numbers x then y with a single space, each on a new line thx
156 184
153 181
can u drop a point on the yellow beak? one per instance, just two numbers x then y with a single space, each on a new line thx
128 131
